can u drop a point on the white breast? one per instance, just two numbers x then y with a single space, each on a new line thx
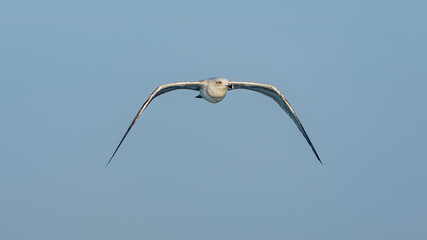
213 93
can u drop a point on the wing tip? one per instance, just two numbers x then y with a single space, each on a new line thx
106 165
304 133
318 158
315 152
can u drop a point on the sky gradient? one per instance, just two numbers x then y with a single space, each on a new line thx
74 74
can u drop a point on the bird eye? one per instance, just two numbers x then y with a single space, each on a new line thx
218 82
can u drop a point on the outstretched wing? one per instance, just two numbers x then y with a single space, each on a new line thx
275 94
159 91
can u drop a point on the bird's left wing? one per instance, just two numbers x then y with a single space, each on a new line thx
159 91
275 94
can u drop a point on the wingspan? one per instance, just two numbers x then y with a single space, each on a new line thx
159 91
275 94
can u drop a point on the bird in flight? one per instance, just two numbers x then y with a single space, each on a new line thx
214 90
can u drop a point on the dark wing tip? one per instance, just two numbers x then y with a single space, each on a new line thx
111 158
309 142
121 141
317 156
312 147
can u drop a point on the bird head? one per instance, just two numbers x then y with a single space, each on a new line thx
221 83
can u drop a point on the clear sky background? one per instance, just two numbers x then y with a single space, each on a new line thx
74 73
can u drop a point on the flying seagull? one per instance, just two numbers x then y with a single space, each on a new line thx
214 90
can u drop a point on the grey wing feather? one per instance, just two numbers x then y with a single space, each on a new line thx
159 91
277 96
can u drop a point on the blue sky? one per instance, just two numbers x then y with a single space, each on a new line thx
74 75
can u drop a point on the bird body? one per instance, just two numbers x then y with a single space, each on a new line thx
214 90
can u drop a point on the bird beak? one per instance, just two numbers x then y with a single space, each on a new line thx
230 86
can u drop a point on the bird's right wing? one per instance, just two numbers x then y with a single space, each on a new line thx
159 91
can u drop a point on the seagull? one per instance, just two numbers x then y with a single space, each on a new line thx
214 90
